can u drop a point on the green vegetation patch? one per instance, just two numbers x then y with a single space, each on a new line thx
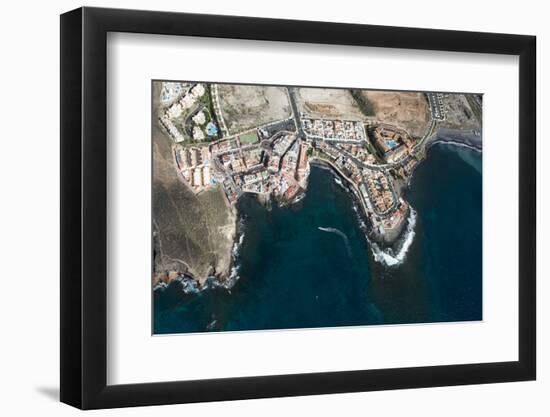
249 138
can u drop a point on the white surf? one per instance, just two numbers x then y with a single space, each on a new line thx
388 256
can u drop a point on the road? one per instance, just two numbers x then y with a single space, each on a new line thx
297 120
376 167
218 110
301 135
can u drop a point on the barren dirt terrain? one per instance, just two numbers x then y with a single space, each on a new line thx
408 110
461 113
192 233
247 106
328 102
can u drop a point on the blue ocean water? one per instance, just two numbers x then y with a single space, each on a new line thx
309 264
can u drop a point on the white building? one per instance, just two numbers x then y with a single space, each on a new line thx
187 101
198 91
174 111
198 134
197 177
199 118
206 175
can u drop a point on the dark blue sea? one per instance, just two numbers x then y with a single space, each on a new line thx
295 275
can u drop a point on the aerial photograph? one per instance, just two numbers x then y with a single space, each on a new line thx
292 207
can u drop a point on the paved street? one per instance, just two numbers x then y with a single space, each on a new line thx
296 113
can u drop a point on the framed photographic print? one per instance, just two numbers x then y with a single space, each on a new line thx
257 208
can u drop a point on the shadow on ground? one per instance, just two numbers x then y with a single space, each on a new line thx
50 392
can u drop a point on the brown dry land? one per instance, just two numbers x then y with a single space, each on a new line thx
328 102
192 234
463 112
247 106
407 110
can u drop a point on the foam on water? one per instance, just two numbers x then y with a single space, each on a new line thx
160 286
237 246
299 198
234 275
191 286
388 256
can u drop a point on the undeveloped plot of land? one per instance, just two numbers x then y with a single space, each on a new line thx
247 106
407 110
192 233
460 114
329 103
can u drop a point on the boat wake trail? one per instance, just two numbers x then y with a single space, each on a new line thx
390 257
339 233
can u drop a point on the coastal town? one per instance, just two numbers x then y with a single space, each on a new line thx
278 207
372 157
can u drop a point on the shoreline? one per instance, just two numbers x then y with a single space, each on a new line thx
457 137
228 278
216 278
368 230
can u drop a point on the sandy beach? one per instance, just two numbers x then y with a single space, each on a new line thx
470 138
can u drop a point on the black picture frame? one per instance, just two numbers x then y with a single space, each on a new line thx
84 207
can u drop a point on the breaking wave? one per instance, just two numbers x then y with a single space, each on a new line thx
161 286
340 184
190 286
235 268
237 246
388 256
299 198
339 233
360 220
